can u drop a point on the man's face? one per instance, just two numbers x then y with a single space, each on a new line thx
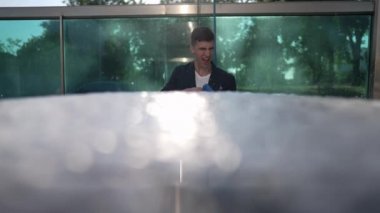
202 51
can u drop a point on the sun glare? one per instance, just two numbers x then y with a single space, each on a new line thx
188 131
177 115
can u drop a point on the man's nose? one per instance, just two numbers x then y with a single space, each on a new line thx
208 52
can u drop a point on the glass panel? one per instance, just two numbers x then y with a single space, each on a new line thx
313 55
125 54
29 57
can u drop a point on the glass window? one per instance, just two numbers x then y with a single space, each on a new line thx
29 58
131 54
313 55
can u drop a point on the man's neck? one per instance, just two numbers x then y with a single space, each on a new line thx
202 71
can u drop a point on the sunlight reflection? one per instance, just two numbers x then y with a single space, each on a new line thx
177 115
177 126
188 132
191 26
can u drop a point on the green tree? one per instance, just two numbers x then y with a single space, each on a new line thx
320 48
94 53
8 73
39 66
31 68
354 29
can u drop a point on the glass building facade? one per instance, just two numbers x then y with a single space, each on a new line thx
309 48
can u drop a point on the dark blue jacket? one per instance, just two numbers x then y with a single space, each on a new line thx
183 77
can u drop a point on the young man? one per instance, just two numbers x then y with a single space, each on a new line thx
201 74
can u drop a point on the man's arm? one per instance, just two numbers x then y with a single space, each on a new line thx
233 83
229 82
171 84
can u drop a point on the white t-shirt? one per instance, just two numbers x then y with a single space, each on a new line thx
201 80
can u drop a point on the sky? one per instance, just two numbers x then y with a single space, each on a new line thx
30 3
23 30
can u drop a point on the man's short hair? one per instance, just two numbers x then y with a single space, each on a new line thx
202 34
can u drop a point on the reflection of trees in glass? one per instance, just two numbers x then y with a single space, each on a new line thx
140 53
250 45
325 55
8 83
309 55
103 50
31 68
92 53
355 28
39 62
313 43
10 46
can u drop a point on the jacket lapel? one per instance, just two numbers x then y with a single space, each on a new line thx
213 81
191 73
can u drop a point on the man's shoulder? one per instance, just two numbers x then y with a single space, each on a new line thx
223 80
223 73
184 67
